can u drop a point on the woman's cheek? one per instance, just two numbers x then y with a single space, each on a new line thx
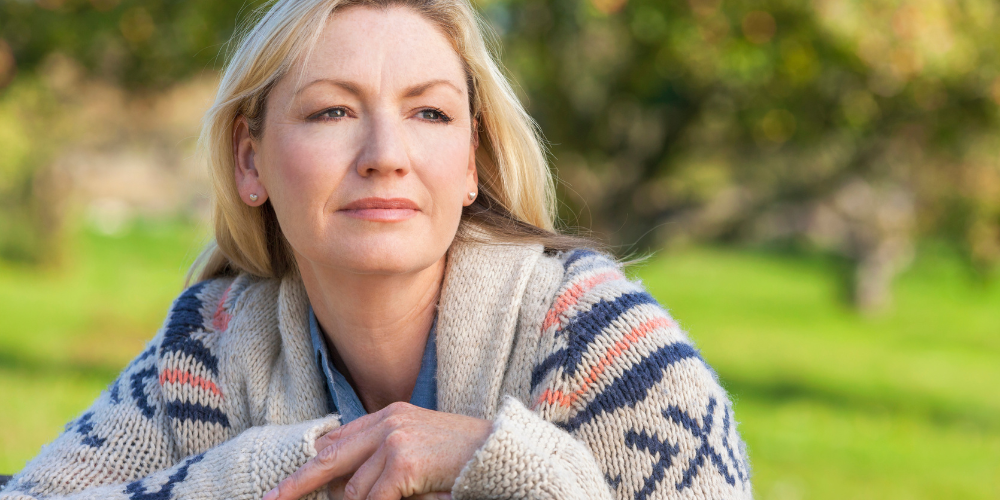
301 187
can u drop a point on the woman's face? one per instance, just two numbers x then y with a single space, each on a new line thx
367 153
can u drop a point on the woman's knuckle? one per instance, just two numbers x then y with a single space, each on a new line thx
397 439
327 457
398 407
334 434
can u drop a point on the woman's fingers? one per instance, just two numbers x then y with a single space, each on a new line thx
338 458
399 451
359 425
365 477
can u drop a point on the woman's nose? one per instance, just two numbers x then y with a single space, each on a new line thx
385 149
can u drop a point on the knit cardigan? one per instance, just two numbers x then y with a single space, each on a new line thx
593 390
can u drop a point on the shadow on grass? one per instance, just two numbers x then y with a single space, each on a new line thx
29 367
935 411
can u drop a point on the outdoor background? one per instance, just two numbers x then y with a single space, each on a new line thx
818 183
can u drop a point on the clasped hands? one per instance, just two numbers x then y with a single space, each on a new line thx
401 451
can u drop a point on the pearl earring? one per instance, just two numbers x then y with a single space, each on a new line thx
253 196
472 195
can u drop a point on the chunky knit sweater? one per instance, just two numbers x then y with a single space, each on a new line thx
593 391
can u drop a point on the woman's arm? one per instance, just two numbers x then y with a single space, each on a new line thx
161 431
623 406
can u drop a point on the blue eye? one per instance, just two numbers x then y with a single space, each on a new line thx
434 115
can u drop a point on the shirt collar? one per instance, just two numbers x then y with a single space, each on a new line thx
341 397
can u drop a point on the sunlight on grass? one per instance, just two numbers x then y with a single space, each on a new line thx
834 405
69 330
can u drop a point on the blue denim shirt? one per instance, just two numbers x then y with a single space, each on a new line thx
341 396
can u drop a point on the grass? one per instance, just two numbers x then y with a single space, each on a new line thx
67 331
831 404
835 405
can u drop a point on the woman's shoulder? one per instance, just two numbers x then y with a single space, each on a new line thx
589 278
209 305
599 319
198 320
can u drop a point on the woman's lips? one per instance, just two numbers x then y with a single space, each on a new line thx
381 209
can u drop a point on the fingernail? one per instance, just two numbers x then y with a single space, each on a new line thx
271 495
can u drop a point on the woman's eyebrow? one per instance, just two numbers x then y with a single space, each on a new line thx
346 85
416 90
353 88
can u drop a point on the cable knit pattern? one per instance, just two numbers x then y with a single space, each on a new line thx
593 390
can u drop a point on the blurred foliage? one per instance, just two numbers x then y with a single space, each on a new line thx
854 126
45 45
29 204
139 44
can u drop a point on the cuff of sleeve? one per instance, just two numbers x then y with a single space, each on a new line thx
262 457
528 457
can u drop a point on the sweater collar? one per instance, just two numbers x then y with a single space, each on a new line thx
477 319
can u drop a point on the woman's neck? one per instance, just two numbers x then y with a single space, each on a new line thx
378 326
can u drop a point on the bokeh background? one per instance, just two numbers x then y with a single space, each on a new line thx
818 183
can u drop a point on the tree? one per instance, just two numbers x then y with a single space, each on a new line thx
856 126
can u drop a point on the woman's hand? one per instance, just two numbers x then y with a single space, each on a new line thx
400 451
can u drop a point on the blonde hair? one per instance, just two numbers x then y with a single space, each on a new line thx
516 198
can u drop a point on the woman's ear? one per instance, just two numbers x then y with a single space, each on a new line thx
248 183
472 175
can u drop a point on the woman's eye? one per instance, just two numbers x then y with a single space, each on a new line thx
333 113
434 115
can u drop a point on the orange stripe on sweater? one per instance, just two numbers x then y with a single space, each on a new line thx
570 297
220 320
619 347
183 377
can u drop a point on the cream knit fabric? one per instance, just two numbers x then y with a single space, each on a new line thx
593 390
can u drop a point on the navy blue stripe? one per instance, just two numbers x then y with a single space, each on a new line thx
663 451
138 384
186 319
633 385
578 254
86 427
137 491
113 391
542 369
583 329
197 412
192 347
186 316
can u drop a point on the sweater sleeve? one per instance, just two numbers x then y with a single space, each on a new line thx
160 431
622 406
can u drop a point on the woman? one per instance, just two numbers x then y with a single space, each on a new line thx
388 311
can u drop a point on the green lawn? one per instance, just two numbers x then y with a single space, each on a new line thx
831 404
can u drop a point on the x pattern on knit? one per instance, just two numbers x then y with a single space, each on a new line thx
610 352
85 427
705 455
138 491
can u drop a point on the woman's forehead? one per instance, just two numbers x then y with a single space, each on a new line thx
381 50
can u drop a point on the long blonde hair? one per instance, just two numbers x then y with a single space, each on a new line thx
516 199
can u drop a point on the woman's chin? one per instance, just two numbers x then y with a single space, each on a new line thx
385 255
